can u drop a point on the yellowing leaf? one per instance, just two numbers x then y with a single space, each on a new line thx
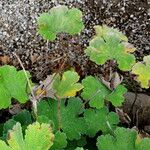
108 45
138 139
105 31
129 48
39 91
67 86
37 137
143 72
60 19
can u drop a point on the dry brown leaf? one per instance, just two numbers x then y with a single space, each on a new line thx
45 88
4 59
129 48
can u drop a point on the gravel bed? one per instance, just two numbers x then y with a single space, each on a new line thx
18 32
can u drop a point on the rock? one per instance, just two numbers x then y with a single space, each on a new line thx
140 111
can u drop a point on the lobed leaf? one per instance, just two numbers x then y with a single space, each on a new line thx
37 136
60 19
98 119
117 96
60 141
94 91
143 72
24 118
108 45
13 84
144 145
71 124
67 85
123 139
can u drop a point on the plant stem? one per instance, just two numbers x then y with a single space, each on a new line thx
33 99
59 113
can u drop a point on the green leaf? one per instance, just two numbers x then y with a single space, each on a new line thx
16 140
43 119
38 136
123 139
60 141
24 117
98 119
107 45
94 91
67 86
60 19
143 72
117 96
144 145
13 85
105 31
79 148
8 125
71 123
3 146
49 109
76 143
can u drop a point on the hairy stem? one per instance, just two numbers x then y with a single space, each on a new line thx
59 113
33 99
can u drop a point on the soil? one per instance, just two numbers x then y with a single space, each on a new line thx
18 34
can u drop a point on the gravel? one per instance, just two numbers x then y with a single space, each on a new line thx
18 32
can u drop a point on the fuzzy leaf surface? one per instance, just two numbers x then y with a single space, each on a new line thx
71 123
43 133
95 91
13 84
144 145
107 45
117 96
60 141
143 72
67 85
98 119
123 139
60 19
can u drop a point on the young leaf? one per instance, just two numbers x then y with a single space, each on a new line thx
13 85
60 19
116 97
71 123
143 72
37 136
98 119
107 45
94 91
60 141
123 139
67 86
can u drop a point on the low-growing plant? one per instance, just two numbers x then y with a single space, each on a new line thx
71 110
